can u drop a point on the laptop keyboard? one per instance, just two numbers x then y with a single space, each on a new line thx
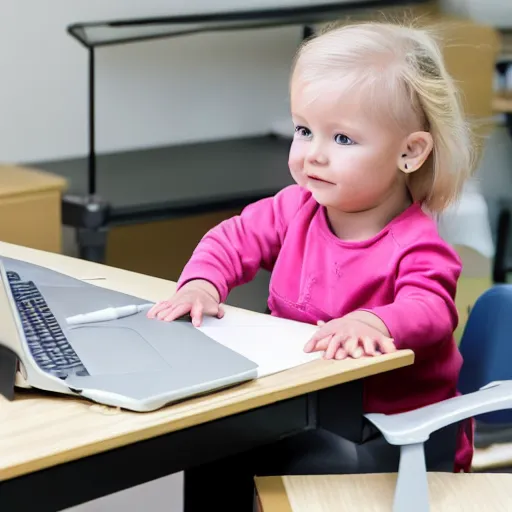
47 343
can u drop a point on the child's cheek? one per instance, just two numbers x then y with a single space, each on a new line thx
296 161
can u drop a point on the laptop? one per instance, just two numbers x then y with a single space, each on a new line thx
132 362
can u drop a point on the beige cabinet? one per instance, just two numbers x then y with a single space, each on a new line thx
30 208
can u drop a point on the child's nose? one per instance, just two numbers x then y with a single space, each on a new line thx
316 155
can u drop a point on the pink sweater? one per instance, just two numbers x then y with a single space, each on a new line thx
406 275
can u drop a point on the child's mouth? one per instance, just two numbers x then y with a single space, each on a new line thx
312 177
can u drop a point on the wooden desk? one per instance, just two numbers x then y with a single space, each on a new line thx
335 493
50 446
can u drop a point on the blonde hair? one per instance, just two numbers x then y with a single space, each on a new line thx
402 68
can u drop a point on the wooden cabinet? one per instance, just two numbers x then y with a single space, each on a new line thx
30 208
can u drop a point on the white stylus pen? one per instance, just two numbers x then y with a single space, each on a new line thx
106 314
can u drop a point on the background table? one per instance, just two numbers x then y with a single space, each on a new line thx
213 176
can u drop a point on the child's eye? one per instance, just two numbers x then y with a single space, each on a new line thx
303 132
339 138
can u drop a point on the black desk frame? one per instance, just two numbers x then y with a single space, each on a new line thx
89 478
90 214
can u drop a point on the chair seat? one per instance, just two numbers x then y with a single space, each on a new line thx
374 493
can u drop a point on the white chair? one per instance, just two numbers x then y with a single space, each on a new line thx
412 489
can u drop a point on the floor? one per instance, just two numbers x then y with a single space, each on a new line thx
495 181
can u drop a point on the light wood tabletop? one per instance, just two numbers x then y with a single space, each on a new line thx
16 180
38 431
374 493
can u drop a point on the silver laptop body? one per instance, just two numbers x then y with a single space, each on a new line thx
132 362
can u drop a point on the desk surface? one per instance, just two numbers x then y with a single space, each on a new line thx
486 492
38 432
216 172
93 34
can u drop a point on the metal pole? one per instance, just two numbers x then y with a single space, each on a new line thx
92 146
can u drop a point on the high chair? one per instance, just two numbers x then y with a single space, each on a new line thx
412 489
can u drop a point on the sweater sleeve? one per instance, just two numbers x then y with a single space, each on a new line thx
423 313
231 253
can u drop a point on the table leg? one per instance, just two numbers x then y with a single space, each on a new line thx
89 215
227 484
92 244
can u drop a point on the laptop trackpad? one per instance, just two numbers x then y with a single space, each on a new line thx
114 350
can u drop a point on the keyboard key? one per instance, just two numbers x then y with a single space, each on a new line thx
47 342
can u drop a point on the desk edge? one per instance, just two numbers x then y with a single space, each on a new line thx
253 400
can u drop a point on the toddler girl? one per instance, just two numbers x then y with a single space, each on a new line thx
381 145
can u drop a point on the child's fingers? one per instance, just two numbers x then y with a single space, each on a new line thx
314 345
196 313
170 309
369 346
333 346
321 345
175 312
160 306
352 348
311 345
211 307
164 313
324 330
320 334
357 352
341 353
386 345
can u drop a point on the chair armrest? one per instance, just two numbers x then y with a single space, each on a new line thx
416 426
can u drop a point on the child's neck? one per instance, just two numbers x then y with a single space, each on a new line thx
363 225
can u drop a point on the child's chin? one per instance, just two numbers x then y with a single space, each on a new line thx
322 197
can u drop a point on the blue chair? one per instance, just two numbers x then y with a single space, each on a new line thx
486 347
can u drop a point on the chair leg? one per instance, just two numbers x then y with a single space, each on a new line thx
500 258
411 491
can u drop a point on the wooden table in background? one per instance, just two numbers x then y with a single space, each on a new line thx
30 207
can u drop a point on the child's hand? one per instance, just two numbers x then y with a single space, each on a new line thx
197 297
349 337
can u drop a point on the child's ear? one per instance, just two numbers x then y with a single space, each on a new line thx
416 149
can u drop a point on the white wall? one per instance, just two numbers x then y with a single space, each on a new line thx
211 86
208 86
497 13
